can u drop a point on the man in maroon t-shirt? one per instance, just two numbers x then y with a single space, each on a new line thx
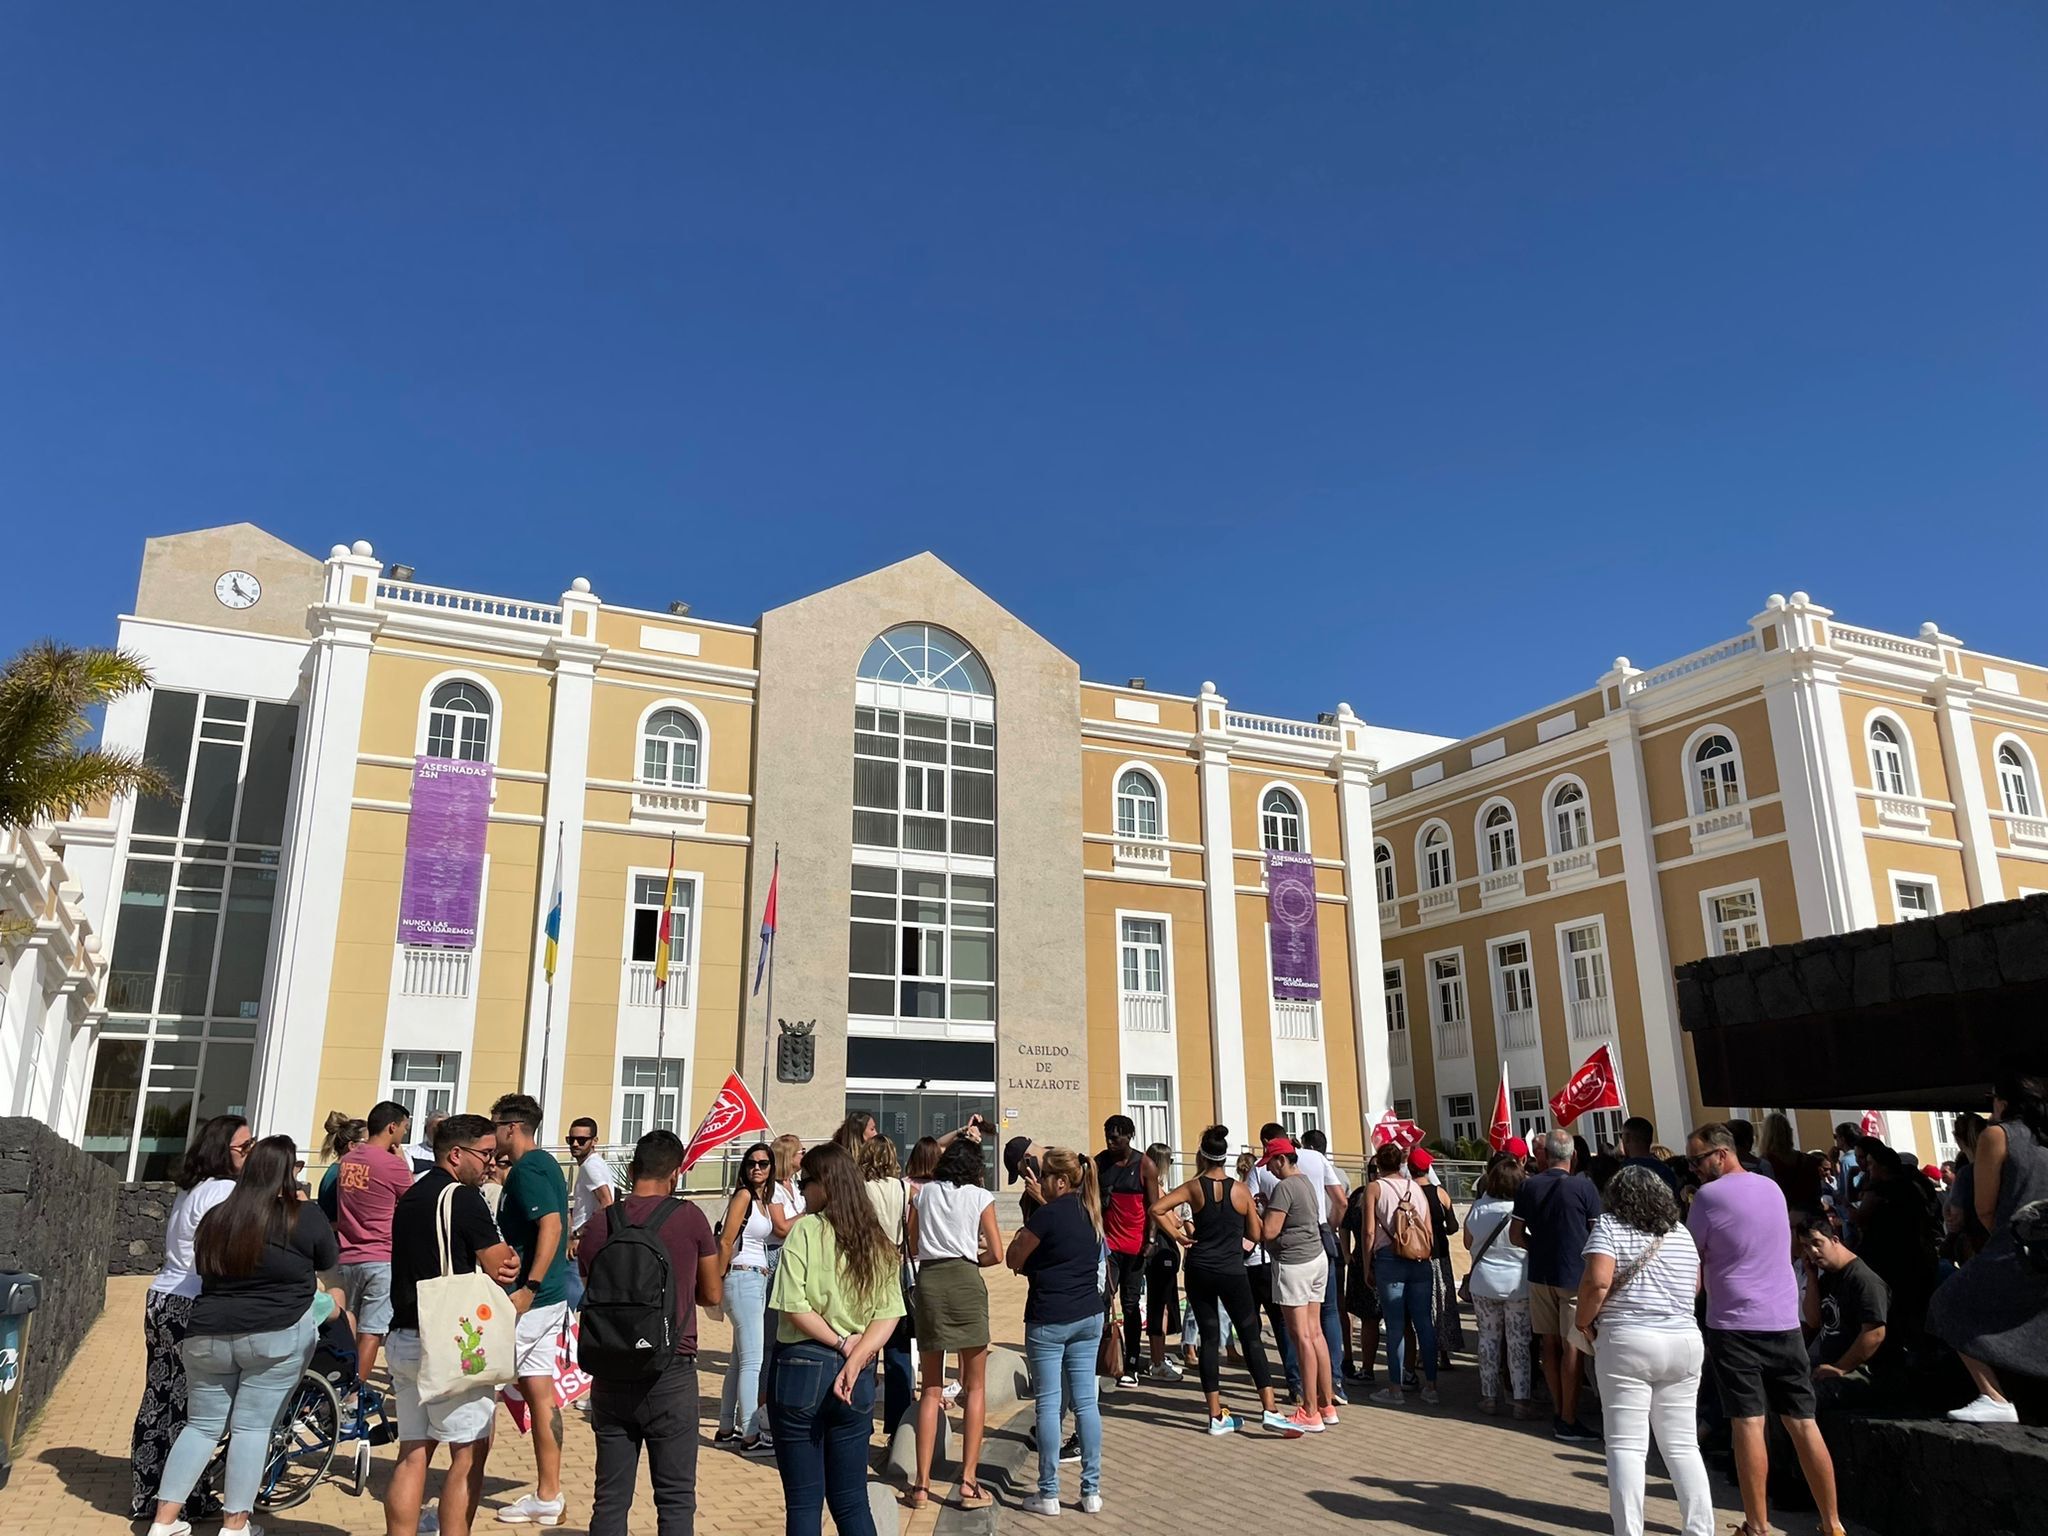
373 1175
659 1411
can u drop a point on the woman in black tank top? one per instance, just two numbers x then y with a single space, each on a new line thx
1223 1229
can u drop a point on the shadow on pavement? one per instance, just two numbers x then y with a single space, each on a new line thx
1457 1509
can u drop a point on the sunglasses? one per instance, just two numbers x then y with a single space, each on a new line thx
578 1141
757 1162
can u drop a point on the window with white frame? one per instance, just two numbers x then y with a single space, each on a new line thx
2016 783
1887 759
1601 1128
1148 1100
1717 774
1137 805
922 945
1502 849
1447 975
1735 921
1532 1113
1396 995
1438 872
1301 1108
459 722
650 1096
1517 977
424 1082
1461 1117
1404 1109
645 939
1570 826
1280 822
1383 872
1585 948
1144 956
1913 898
671 750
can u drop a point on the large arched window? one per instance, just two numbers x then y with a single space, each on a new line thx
459 722
671 750
1383 871
1570 825
1438 871
925 656
1503 847
1279 822
1137 805
1889 773
1716 773
2018 789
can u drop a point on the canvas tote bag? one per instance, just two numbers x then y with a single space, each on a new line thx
466 1323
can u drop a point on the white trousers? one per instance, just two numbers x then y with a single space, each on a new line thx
1650 1379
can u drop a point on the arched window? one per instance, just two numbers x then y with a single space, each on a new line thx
1137 804
925 656
1716 774
1887 759
1437 870
1383 871
671 750
1280 822
2016 783
1503 850
459 722
1570 826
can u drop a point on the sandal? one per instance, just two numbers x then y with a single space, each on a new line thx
916 1497
973 1495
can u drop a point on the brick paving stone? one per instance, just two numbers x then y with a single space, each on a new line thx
1445 1471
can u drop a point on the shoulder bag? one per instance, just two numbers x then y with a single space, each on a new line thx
1465 1285
1583 1341
466 1322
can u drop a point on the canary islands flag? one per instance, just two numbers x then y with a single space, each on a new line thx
554 927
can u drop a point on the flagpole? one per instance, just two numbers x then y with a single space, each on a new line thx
668 896
547 1028
768 1014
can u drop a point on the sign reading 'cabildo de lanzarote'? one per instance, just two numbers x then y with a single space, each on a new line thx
444 852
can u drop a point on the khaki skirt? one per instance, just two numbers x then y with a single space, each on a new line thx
951 1302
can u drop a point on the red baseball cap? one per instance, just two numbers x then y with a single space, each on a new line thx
1419 1160
1518 1147
1279 1146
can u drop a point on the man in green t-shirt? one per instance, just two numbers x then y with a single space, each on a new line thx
533 1216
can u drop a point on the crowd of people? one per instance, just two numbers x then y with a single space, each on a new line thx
851 1278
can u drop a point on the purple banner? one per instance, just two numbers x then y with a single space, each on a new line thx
1291 926
444 852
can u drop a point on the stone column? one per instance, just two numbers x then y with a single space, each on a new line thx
1219 874
1981 877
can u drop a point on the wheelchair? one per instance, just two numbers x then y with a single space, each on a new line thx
331 1416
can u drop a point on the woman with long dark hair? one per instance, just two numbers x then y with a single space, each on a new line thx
205 1178
838 1292
1994 1311
953 1236
745 1243
257 1254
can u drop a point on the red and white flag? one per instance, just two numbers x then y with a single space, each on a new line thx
733 1114
1596 1085
1503 1126
1872 1123
1392 1129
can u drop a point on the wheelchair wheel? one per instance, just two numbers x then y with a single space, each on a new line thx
302 1445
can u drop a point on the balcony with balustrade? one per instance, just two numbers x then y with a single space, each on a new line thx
1143 855
427 971
1901 814
1591 1018
1144 1013
1501 887
1453 1039
1390 914
1518 1029
1296 1019
678 805
1397 1047
641 992
450 602
1434 906
1575 866
1720 828
2024 831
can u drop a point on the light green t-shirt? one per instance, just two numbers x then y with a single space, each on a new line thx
808 1280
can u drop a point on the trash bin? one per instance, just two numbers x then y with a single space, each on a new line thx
19 1295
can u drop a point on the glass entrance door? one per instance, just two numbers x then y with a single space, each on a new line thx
904 1117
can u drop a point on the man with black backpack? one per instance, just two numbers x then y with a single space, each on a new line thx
648 1261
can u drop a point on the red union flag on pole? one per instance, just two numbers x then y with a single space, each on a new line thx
1392 1129
1872 1123
1594 1086
733 1114
1503 1126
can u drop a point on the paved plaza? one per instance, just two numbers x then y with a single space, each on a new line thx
1445 1471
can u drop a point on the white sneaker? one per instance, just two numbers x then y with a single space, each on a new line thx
1985 1410
531 1509
1039 1504
950 1392
175 1528
1389 1397
1091 1503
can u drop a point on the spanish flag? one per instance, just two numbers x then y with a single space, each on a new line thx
668 902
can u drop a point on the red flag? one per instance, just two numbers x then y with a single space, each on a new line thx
1873 1123
1594 1086
1393 1129
1503 1127
733 1114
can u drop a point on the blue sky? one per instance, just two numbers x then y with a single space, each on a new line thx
1420 355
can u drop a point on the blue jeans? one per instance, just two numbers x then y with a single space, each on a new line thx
821 1444
1407 1295
1333 1311
899 1382
746 1307
1062 1359
572 1285
236 1382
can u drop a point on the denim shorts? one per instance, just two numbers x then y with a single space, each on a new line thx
368 1288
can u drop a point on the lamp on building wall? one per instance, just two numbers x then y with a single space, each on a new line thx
1327 717
679 609
399 572
1137 683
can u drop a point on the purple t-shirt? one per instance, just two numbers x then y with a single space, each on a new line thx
1743 1231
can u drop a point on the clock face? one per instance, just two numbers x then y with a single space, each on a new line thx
237 589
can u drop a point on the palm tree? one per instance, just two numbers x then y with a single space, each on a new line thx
45 693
